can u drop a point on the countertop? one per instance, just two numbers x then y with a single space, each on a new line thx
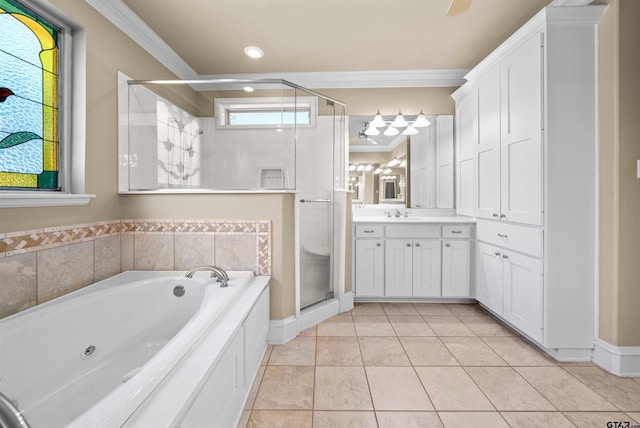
413 220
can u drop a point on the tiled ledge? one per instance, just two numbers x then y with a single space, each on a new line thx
39 265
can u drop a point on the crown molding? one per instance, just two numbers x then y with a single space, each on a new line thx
360 79
570 2
120 15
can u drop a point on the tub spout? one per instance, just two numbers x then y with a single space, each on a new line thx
216 272
10 416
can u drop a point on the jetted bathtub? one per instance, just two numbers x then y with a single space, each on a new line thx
138 349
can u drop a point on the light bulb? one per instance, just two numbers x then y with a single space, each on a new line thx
410 130
399 121
371 130
377 121
421 121
391 131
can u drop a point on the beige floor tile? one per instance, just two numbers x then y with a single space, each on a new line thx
267 354
465 309
537 420
244 419
451 388
310 331
341 388
399 309
427 351
635 416
486 326
507 390
253 392
598 419
472 419
397 388
516 352
286 387
383 351
410 325
408 420
280 419
333 419
373 325
472 351
300 351
448 326
622 392
576 364
337 326
637 379
367 309
338 351
563 390
432 309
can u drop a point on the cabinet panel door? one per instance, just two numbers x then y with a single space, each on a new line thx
466 125
456 268
523 293
426 268
521 136
489 276
445 161
398 267
369 269
487 151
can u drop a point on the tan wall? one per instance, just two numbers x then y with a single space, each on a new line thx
619 186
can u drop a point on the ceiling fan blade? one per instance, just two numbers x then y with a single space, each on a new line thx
458 6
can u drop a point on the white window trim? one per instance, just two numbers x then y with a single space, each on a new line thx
73 123
222 105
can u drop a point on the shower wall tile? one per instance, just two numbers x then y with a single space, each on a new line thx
126 251
153 251
107 257
236 252
18 287
193 249
64 269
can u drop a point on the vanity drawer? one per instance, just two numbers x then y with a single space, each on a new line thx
524 239
369 231
413 231
453 231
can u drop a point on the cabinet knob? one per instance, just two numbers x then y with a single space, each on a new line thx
417 244
495 215
447 245
504 256
408 244
503 216
368 231
497 253
456 231
378 244
502 235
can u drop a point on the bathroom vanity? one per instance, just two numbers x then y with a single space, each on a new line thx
414 257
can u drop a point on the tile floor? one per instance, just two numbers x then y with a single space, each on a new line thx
429 365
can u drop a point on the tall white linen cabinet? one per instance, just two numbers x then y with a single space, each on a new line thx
526 168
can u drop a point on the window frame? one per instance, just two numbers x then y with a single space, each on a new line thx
71 117
223 106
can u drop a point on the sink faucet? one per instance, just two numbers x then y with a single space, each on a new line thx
398 213
216 272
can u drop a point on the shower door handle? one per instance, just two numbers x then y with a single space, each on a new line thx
314 200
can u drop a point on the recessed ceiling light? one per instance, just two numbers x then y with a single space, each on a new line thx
248 89
253 52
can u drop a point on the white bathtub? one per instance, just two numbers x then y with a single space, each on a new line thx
128 352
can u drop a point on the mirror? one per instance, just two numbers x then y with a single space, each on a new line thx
415 171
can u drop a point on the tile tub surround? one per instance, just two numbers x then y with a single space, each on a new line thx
39 265
339 374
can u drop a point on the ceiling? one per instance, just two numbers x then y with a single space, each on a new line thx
332 35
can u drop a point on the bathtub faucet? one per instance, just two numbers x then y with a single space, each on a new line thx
216 272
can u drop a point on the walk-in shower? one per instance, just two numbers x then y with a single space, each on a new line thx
244 136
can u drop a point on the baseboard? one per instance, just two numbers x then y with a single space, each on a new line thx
346 301
618 360
317 313
282 331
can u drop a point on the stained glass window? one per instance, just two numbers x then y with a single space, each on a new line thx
28 100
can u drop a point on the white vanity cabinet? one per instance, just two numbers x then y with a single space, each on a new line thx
529 112
408 260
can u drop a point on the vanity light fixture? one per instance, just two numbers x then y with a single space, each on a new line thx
377 171
403 164
371 130
360 168
393 162
368 167
352 167
377 121
421 121
387 171
399 121
391 131
253 52
410 130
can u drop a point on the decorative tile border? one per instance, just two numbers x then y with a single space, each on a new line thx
41 239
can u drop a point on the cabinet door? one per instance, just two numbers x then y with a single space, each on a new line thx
398 268
489 276
456 268
523 293
521 133
487 150
426 268
369 269
444 126
466 138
